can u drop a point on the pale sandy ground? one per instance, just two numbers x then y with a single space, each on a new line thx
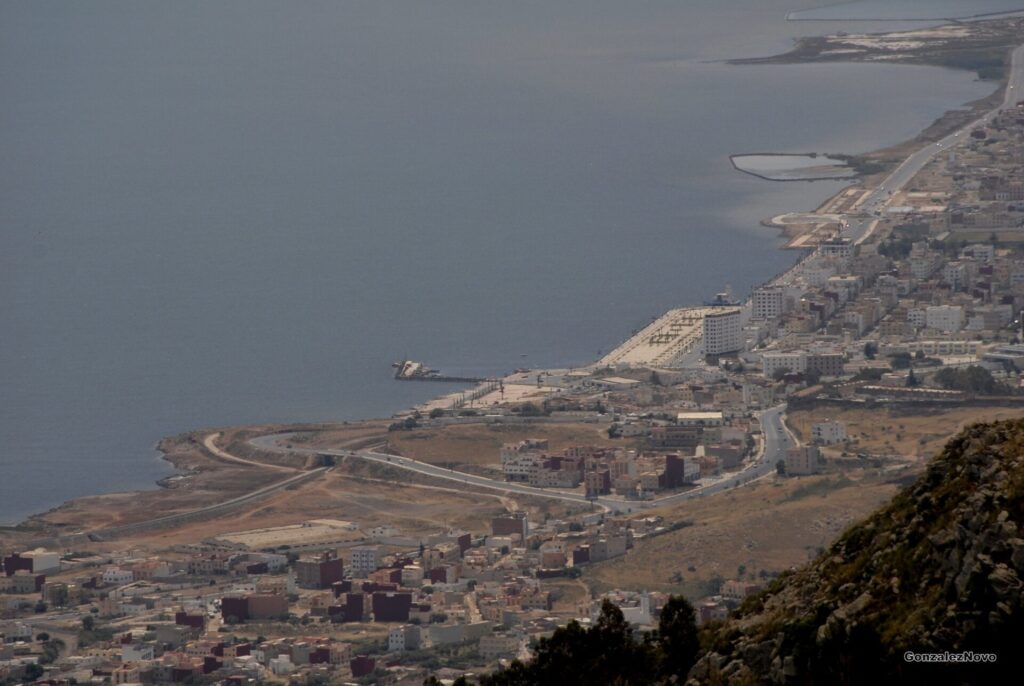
514 393
772 525
894 431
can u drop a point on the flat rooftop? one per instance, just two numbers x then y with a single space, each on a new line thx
716 414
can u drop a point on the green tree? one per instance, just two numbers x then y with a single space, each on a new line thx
972 379
608 654
608 649
869 374
678 644
780 468
899 360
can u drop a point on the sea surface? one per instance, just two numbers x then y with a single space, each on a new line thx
230 212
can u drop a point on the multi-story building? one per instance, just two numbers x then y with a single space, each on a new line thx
38 561
768 302
496 645
509 524
115 576
365 559
828 432
673 436
391 606
735 589
944 317
803 460
723 332
837 250
825 364
319 572
206 565
774 363
402 638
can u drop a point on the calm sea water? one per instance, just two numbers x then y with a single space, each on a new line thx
217 213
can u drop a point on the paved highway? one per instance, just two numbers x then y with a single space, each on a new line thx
271 442
861 227
776 440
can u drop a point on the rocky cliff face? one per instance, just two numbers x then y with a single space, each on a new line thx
939 569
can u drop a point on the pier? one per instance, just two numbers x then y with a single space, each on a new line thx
410 370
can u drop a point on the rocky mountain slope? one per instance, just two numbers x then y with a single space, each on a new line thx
938 570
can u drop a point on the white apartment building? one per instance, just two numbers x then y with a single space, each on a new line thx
984 252
364 560
817 275
943 348
723 332
43 561
923 267
136 652
792 362
841 250
944 317
115 576
916 317
828 432
402 638
522 467
955 274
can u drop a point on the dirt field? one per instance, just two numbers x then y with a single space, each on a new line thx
362 492
478 444
367 500
567 594
885 430
771 525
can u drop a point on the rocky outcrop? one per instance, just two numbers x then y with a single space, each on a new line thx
939 570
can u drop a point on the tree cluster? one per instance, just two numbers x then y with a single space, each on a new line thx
610 653
970 379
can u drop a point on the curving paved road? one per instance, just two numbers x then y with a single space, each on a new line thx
776 442
209 444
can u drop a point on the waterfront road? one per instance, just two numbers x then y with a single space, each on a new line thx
776 440
874 203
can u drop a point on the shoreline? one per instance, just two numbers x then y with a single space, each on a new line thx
191 462
805 155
